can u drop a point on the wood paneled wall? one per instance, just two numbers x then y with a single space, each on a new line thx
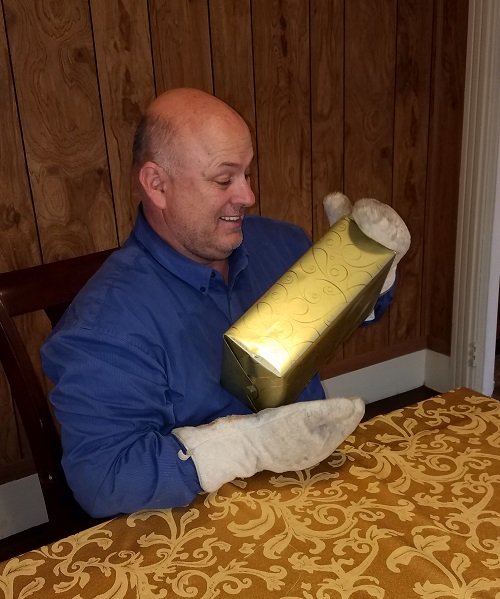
363 96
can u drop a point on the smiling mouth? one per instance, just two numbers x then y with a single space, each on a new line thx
231 219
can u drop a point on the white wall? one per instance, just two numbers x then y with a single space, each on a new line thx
392 377
477 268
21 505
488 375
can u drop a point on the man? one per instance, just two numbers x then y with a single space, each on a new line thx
136 360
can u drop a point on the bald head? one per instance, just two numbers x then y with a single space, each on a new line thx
186 104
177 118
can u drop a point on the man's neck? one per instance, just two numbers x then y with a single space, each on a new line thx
222 266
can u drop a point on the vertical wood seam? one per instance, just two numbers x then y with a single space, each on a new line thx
106 145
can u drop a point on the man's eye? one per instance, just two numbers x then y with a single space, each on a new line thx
223 182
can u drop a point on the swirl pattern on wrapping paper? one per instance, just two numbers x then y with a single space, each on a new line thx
408 506
310 297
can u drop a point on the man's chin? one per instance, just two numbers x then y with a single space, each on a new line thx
226 246
224 254
232 244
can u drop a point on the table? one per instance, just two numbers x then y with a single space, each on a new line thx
408 506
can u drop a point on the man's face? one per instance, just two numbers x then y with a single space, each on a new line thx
209 191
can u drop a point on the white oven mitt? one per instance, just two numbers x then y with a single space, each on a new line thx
377 220
290 437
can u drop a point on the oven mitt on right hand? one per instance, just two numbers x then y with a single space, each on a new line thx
378 221
290 437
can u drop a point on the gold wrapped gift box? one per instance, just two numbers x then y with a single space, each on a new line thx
274 349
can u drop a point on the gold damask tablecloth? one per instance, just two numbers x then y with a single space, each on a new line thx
408 506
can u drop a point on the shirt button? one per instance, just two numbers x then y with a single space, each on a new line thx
203 289
212 274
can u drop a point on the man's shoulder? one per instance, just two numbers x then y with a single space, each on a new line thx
119 271
272 246
113 294
264 228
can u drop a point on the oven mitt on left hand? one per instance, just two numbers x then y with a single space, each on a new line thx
290 437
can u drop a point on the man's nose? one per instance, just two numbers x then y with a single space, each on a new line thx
245 194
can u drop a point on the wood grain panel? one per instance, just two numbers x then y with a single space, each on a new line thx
411 118
181 44
18 236
232 57
282 92
445 136
327 105
126 81
54 74
380 354
370 58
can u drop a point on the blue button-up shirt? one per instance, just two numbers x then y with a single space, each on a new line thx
139 352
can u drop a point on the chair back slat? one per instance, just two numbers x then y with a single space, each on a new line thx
49 287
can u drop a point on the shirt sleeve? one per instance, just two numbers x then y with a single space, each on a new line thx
381 306
112 400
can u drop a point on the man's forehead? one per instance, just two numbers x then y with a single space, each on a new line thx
205 129
222 139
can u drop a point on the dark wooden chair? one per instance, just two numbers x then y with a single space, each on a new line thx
49 287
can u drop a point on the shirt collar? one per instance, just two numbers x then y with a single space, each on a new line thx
195 274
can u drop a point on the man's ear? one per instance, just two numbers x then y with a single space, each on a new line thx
154 181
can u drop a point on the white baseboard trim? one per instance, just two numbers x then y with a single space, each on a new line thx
394 376
438 374
21 505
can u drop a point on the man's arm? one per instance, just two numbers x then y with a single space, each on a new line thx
121 452
112 401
